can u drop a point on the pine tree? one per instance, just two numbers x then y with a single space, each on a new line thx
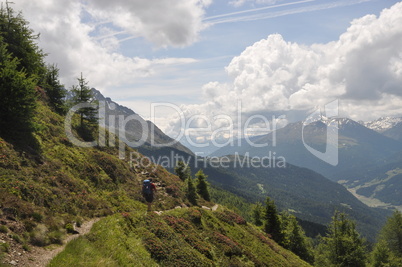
202 185
22 42
182 170
343 245
17 96
191 191
381 255
257 214
391 233
272 223
388 250
295 239
54 90
82 95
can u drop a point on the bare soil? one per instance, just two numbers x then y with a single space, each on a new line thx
38 256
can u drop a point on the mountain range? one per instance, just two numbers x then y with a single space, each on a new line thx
298 190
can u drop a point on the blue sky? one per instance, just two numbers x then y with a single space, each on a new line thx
204 55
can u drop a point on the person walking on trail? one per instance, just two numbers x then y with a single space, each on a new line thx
148 190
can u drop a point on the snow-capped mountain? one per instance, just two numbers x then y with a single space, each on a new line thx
357 145
382 124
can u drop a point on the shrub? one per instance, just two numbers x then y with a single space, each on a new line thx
4 247
78 222
229 246
230 217
17 238
38 236
38 217
158 249
173 190
70 228
195 216
26 247
189 234
3 229
29 225
55 237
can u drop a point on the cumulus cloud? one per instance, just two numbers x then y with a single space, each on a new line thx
163 22
363 69
85 36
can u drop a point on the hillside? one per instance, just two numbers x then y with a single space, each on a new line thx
300 191
395 132
136 127
379 184
357 146
306 194
181 237
45 190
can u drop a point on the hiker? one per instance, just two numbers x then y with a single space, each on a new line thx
148 189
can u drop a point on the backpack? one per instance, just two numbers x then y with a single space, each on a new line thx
146 187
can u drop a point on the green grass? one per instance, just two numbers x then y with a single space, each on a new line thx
181 237
51 188
59 183
108 244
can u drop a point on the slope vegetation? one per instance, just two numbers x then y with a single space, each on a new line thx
181 237
48 185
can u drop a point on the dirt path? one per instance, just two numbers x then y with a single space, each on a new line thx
39 256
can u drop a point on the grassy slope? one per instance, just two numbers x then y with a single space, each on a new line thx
181 237
303 192
48 188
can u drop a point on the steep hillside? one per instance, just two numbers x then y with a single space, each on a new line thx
395 132
135 127
308 195
181 237
305 193
379 184
45 190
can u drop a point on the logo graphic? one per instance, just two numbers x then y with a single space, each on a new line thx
330 155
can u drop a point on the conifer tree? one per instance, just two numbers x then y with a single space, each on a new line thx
343 245
82 95
202 185
182 170
295 239
17 96
388 250
381 255
391 233
257 214
54 90
22 42
272 223
191 191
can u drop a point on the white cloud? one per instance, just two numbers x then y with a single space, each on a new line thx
83 36
363 69
239 3
163 22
